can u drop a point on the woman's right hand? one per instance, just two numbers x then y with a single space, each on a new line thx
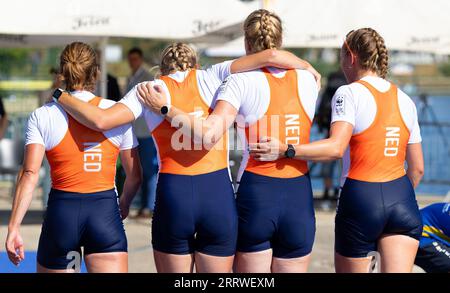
152 96
14 247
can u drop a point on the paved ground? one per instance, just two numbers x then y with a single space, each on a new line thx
138 232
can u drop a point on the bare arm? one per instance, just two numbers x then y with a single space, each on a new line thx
332 148
27 180
132 166
275 58
414 158
208 130
94 117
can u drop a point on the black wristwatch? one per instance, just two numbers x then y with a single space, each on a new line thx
290 152
165 110
56 94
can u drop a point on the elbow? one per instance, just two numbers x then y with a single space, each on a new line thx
30 175
419 171
100 124
338 148
337 153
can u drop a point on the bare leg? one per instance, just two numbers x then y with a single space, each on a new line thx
173 263
397 253
351 264
254 262
213 264
110 262
291 265
41 269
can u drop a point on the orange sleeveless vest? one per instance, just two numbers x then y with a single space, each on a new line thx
84 161
179 154
378 153
285 119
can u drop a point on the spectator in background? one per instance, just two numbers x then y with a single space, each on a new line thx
57 82
3 119
147 150
323 118
113 90
112 86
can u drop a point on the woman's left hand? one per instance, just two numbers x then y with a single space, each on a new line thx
267 149
316 75
152 96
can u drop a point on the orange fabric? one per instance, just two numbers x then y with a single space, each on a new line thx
378 153
185 157
84 161
285 119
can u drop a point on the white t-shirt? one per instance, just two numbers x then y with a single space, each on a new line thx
208 81
249 93
357 106
48 125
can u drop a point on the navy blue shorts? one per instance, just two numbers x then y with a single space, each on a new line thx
75 220
195 213
367 210
277 214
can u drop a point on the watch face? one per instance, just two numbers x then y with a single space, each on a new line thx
290 153
57 93
164 110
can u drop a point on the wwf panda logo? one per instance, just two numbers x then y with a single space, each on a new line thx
339 106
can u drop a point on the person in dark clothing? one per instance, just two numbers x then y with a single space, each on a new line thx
112 86
147 149
3 119
323 119
113 90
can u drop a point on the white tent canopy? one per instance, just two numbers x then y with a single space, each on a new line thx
156 19
26 23
412 25
41 41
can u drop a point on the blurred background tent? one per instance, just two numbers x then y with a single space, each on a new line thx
407 25
51 22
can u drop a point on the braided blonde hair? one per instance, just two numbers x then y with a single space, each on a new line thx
369 47
78 66
177 57
263 30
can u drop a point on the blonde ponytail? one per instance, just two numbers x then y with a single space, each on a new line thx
78 66
177 57
368 45
263 30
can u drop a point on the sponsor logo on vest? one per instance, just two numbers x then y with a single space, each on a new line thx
392 141
92 157
292 129
339 106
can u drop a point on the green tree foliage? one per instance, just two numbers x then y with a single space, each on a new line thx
12 61
445 68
